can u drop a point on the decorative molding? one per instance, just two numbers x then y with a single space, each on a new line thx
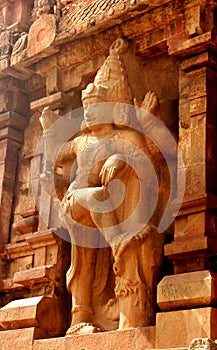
202 344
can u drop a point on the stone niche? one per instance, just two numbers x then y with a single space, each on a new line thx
16 14
151 290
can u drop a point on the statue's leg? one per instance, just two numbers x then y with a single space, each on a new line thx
137 267
81 274
100 214
103 215
81 286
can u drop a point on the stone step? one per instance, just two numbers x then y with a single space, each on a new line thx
133 339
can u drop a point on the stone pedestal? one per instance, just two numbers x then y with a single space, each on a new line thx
189 302
19 338
41 312
136 339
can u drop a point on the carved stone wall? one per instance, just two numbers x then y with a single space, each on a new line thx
49 52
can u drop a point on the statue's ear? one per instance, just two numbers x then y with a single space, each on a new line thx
121 114
84 129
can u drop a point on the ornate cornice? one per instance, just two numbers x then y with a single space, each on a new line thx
104 14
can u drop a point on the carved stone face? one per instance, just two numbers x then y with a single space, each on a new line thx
96 113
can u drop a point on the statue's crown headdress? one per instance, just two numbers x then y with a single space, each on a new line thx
111 82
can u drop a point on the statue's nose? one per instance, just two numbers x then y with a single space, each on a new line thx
87 115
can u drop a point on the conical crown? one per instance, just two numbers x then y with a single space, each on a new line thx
111 82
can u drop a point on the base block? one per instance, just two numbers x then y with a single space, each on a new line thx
19 339
176 329
136 339
41 312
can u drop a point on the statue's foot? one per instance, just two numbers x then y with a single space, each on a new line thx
112 309
82 328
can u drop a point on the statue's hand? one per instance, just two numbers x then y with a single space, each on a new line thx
111 167
149 104
46 181
47 118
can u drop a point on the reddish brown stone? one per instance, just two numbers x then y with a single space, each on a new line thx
37 274
137 339
188 290
15 339
41 35
31 312
55 101
189 324
67 45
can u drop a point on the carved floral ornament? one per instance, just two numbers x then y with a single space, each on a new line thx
43 7
202 344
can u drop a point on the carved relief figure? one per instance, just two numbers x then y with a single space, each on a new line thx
6 42
106 232
19 49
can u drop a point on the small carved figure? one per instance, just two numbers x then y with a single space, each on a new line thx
20 44
5 44
44 7
19 49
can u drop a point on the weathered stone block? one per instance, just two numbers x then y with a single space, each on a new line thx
38 274
26 225
191 46
40 257
52 253
196 224
193 20
55 101
41 312
188 290
21 263
17 17
180 227
198 81
136 339
178 328
20 338
198 106
41 34
187 246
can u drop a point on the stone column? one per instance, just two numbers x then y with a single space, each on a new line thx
195 225
192 290
13 120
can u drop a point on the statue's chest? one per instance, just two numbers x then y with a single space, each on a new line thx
94 151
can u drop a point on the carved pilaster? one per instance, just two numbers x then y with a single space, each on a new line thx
189 295
13 120
195 240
